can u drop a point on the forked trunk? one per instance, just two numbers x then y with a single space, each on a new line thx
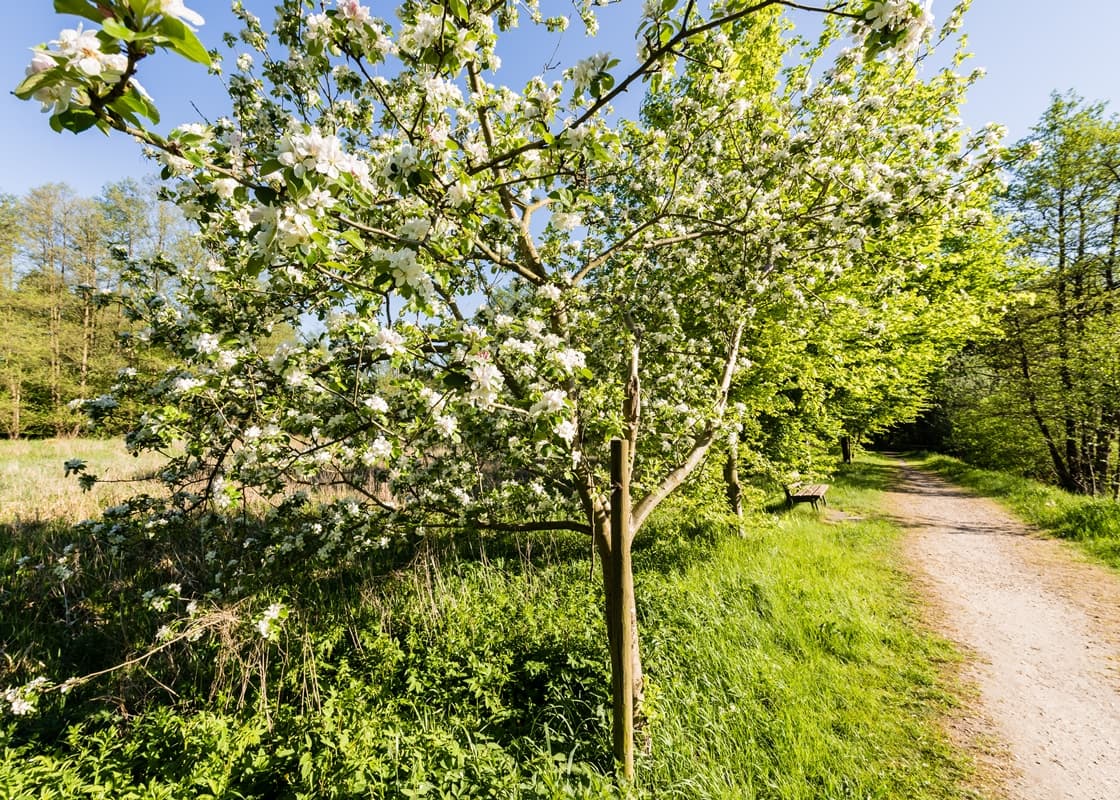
614 534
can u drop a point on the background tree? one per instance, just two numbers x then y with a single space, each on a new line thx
1054 369
62 331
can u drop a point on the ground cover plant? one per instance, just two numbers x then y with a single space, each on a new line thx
781 664
1092 522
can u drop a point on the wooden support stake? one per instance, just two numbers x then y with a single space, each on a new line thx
619 602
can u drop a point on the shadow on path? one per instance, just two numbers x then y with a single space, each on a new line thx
928 501
1042 626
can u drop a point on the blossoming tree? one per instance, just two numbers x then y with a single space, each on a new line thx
516 312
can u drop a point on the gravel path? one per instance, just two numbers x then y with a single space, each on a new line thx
1044 629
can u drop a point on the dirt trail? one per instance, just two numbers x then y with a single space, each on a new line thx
1044 630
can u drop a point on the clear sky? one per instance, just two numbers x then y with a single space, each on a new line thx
1029 47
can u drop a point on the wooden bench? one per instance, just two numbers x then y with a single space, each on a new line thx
806 493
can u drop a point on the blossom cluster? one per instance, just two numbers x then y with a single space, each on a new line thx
78 56
82 63
21 699
271 621
898 24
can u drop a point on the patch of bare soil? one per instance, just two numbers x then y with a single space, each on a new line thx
1041 629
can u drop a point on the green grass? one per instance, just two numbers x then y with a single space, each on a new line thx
784 664
1092 522
788 665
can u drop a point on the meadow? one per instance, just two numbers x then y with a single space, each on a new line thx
34 487
784 663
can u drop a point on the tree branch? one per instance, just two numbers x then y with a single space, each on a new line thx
702 442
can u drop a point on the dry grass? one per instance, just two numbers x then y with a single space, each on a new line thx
34 488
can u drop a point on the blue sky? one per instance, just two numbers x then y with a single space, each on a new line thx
1029 47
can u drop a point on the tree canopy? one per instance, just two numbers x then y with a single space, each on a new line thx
500 287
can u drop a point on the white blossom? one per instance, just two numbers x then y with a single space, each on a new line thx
176 9
570 360
551 401
376 404
389 342
206 343
446 424
583 73
566 430
486 379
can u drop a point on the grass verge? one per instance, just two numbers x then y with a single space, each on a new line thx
788 665
1092 522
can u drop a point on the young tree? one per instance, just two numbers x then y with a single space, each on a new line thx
511 318
49 214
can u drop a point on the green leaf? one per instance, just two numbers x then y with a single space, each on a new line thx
354 238
122 109
75 120
601 84
181 39
118 31
80 8
455 380
144 8
40 80
459 9
132 102
667 32
144 104
265 195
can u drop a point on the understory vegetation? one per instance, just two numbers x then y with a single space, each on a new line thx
1092 522
780 664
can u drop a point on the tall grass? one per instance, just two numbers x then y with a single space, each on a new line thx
1092 522
786 665
783 664
34 487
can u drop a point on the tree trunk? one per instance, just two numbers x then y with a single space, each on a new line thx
1071 477
88 317
87 347
55 332
1065 479
613 536
846 448
1116 478
731 477
622 613
15 385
